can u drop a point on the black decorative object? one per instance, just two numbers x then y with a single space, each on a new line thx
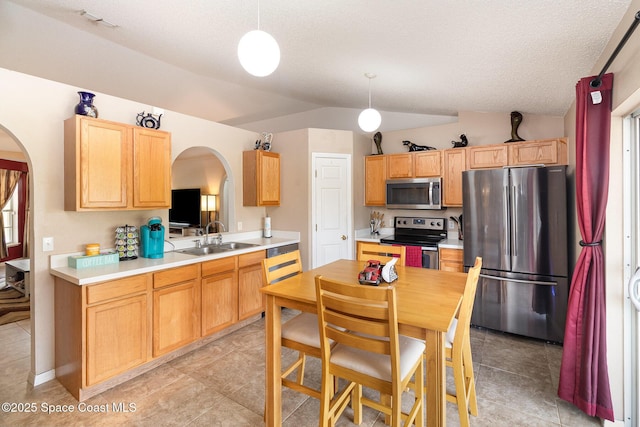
85 107
258 144
462 143
377 139
516 119
148 121
414 147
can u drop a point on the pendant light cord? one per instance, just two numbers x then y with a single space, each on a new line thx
369 92
258 15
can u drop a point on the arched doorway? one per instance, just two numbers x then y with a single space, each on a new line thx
17 226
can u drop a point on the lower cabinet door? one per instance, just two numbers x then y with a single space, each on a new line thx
250 300
219 302
116 337
176 320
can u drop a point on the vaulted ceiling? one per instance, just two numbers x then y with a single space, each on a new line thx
431 57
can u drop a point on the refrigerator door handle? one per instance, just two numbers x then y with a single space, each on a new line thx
507 239
528 282
514 223
633 289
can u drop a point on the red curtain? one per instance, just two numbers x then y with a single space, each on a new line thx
584 378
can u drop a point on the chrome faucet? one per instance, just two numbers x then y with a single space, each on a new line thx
206 231
218 238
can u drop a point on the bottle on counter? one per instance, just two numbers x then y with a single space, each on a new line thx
267 226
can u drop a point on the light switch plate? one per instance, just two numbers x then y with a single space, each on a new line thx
47 244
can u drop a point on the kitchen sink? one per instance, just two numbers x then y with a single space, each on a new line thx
216 249
235 245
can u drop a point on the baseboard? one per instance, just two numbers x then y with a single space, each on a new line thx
616 423
42 378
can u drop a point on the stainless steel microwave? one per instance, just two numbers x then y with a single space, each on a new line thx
417 193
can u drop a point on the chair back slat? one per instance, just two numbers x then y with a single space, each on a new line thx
362 317
383 253
281 266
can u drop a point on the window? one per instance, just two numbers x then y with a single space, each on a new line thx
10 218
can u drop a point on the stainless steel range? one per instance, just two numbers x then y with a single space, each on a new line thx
421 237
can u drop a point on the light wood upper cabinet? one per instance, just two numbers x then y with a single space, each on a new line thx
487 156
375 175
261 178
546 151
399 166
427 163
418 164
113 166
454 161
151 168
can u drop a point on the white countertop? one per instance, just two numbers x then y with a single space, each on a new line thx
58 264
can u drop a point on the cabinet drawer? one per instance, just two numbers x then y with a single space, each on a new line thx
117 288
451 254
175 275
251 258
219 266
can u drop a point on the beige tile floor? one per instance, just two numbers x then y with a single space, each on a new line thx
222 384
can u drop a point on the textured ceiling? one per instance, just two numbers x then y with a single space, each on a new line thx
430 57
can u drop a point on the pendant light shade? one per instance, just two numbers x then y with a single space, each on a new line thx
370 119
259 53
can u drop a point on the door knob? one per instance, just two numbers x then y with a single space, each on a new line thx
343 237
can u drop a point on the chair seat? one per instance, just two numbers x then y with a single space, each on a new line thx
379 365
451 333
303 329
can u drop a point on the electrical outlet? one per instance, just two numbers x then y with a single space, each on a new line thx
239 226
451 225
47 244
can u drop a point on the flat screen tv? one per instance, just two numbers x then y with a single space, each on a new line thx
185 208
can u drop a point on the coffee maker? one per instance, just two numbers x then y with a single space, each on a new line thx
152 238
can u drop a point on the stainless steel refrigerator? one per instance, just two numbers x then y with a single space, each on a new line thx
516 220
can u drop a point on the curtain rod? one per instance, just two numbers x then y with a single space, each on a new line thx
598 80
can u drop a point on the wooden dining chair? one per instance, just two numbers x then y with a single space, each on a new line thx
299 333
368 351
458 350
382 253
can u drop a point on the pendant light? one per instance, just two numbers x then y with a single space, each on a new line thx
258 52
369 119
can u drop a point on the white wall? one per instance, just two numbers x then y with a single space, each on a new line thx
32 111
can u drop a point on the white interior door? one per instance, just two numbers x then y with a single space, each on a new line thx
332 208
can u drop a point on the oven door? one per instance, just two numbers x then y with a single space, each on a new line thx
430 258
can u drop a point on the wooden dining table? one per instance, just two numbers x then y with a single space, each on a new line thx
427 301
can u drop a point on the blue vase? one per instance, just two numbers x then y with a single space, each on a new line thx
85 107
